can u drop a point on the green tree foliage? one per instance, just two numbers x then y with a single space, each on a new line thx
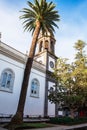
71 87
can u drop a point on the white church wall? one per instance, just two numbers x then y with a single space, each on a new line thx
51 106
41 58
9 100
35 105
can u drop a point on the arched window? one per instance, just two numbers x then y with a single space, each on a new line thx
35 85
7 80
41 46
46 44
52 47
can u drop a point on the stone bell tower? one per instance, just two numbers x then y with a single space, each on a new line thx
46 46
45 54
46 42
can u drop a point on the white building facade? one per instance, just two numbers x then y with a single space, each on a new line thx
12 65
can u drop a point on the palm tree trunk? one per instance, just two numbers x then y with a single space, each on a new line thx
18 117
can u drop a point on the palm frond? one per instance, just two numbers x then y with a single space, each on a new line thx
42 11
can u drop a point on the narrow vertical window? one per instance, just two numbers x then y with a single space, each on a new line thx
41 47
4 78
9 78
52 47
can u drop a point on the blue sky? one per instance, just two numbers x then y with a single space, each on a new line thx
72 25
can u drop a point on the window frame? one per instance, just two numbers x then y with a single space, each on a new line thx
8 83
35 89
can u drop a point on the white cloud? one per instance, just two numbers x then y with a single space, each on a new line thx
66 36
70 30
12 30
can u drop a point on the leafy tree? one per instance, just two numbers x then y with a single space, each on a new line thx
79 73
80 66
71 87
39 16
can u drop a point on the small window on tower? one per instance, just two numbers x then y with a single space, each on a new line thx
41 46
46 44
52 47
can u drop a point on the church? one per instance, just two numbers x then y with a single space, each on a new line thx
12 65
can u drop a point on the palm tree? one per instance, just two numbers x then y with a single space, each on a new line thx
40 16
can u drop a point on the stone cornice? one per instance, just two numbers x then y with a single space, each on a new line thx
49 53
20 57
